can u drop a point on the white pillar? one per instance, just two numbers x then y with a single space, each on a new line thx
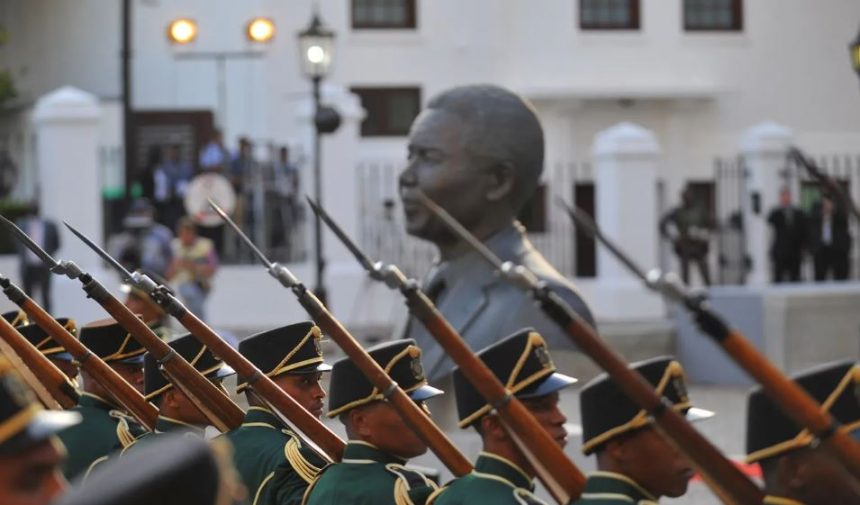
625 171
69 189
764 148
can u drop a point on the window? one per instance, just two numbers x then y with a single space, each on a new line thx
390 111
383 14
609 14
713 15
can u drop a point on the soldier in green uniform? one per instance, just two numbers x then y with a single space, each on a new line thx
502 475
105 428
372 471
52 350
141 303
274 464
635 463
796 470
30 453
177 413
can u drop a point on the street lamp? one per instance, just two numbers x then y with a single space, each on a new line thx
855 54
316 46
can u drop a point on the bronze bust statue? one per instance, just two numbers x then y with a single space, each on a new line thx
478 152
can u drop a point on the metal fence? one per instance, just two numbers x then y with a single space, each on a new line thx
382 230
730 183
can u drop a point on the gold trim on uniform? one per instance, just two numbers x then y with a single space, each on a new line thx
11 426
778 500
120 354
804 438
642 418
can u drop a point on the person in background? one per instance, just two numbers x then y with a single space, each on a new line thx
34 272
830 240
790 227
170 181
194 264
144 243
688 227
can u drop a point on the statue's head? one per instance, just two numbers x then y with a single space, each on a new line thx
478 152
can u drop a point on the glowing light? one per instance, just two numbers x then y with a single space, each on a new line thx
182 31
260 30
316 54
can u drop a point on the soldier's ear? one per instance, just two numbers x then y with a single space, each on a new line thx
794 471
359 421
503 180
492 429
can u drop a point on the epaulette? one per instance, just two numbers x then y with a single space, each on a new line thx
127 428
314 483
304 468
411 487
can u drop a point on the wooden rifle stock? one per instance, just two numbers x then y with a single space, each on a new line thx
211 400
123 392
420 423
51 377
279 401
725 479
555 470
42 394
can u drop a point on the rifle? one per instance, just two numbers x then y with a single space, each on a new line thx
54 381
558 473
719 473
414 417
790 397
212 401
322 439
123 392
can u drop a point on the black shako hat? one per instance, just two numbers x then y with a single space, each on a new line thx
401 359
172 470
522 363
110 342
607 412
771 432
45 343
23 422
195 353
15 317
291 349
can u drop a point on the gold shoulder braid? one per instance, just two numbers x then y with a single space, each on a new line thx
406 481
292 451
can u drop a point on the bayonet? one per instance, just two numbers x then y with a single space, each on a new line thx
66 268
791 398
414 417
317 435
720 474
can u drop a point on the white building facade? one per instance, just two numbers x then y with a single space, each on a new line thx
586 65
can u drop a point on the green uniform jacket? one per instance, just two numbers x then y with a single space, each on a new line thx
608 488
495 481
273 465
96 435
368 476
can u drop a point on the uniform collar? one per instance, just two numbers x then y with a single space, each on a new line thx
164 424
94 401
261 416
609 483
357 451
498 466
779 500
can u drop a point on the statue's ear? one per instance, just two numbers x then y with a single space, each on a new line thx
502 181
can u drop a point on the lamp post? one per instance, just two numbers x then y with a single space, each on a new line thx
316 46
854 47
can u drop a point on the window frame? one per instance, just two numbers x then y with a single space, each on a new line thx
635 17
385 130
737 17
411 22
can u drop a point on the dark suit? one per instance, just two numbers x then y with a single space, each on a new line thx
35 272
790 227
830 250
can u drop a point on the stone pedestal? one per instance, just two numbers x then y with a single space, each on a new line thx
625 172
